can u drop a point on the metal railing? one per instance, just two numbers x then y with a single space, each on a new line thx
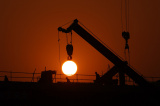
29 77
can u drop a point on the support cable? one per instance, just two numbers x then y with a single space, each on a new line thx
67 38
125 31
127 25
126 13
128 57
101 41
71 38
128 31
125 54
59 53
67 23
121 15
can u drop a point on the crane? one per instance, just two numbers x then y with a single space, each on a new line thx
120 66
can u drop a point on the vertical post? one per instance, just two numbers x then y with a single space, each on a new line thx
33 77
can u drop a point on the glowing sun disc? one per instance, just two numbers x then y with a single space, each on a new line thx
69 68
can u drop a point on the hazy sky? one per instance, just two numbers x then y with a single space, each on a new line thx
29 36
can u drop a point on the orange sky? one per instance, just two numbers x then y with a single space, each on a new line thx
29 40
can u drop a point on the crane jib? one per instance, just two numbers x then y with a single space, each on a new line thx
122 65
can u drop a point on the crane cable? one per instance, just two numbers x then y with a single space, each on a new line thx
71 38
59 44
67 38
100 40
128 31
126 23
59 54
121 16
67 23
126 15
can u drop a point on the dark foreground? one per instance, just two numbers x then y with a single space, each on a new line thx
77 94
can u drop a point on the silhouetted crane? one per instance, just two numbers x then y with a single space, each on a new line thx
120 67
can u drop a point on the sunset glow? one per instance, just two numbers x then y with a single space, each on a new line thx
69 68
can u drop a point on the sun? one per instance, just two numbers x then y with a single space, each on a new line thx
69 68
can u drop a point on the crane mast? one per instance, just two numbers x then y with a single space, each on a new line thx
121 66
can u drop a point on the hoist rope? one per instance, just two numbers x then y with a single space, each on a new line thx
126 13
59 53
71 37
128 56
121 15
125 54
67 38
127 27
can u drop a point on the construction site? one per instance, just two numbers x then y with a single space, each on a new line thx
120 85
72 79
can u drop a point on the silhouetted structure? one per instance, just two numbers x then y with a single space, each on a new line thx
46 76
120 66
68 81
106 79
97 76
6 78
33 75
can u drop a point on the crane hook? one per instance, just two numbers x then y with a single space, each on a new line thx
69 49
126 36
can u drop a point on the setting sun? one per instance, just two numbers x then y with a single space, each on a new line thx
69 68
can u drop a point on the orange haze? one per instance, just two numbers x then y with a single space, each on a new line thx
29 36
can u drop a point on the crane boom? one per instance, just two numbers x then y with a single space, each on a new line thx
123 67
